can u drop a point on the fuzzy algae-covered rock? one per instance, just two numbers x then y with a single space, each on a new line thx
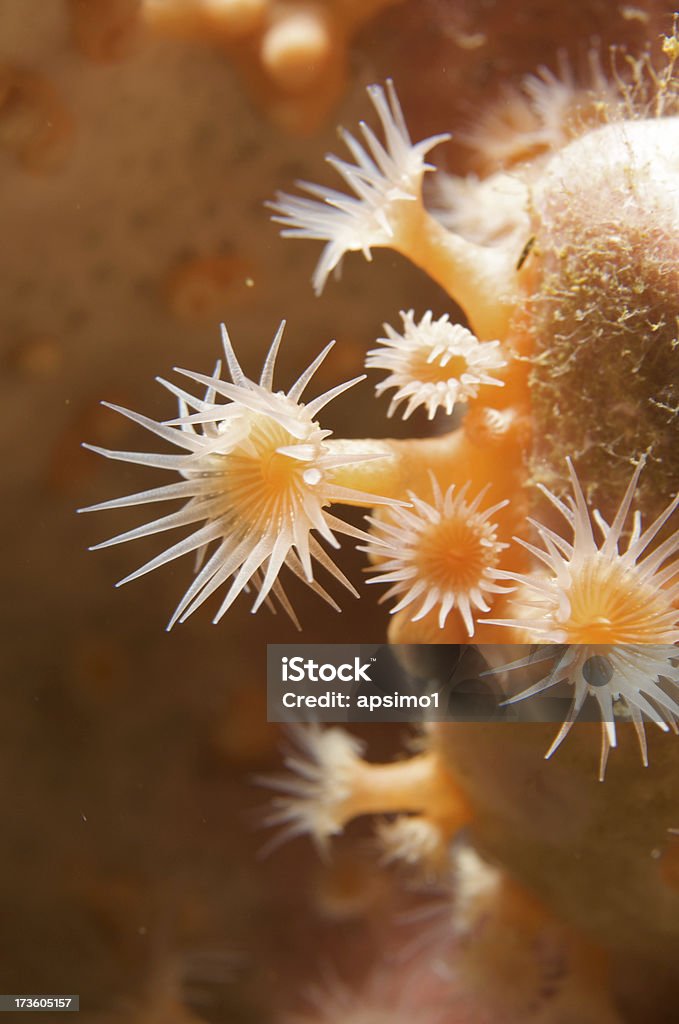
605 311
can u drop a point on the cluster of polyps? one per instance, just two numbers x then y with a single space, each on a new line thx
260 473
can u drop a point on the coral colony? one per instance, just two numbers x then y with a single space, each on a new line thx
545 515
258 474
